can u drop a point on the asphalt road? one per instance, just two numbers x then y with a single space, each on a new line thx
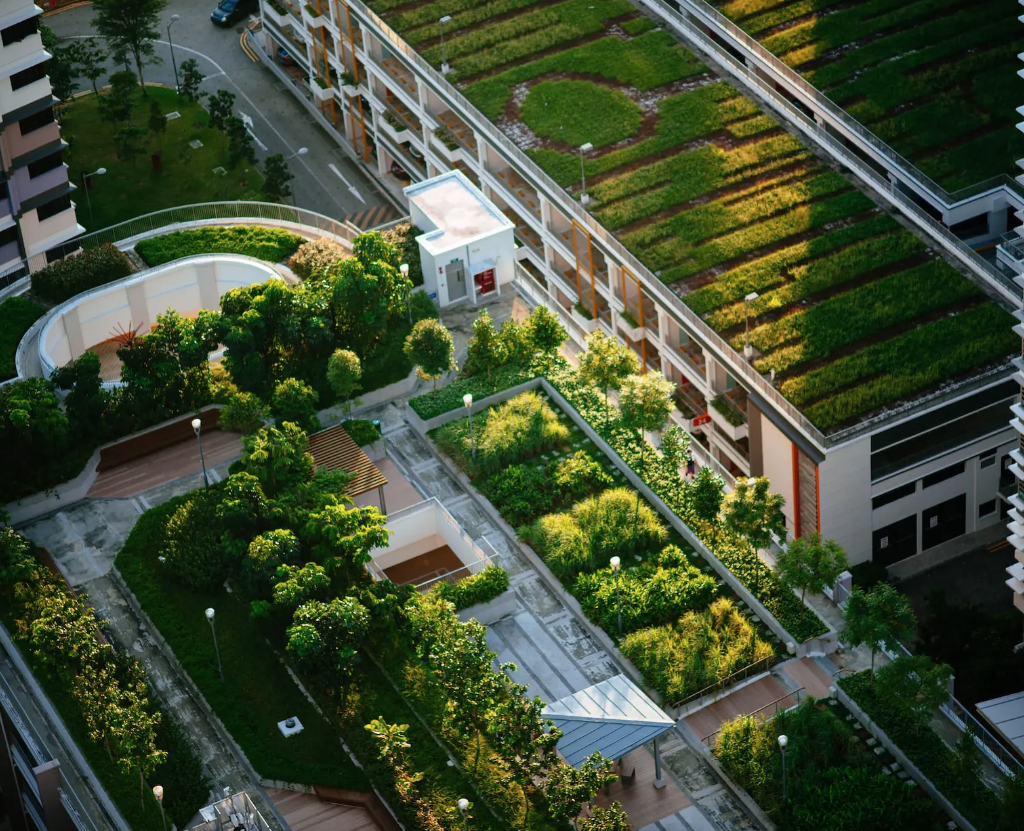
327 179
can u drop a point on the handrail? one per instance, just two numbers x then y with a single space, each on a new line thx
760 710
722 683
452 576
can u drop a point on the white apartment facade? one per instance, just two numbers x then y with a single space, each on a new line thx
909 488
36 211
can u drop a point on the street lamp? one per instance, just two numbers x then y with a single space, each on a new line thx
748 350
85 185
197 425
174 19
158 793
467 401
445 69
404 268
783 741
616 564
584 196
216 648
302 151
464 810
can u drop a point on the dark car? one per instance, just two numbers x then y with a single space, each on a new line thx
230 12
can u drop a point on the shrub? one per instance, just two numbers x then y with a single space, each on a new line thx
450 397
577 475
478 588
519 428
315 257
521 493
191 544
615 526
296 402
81 272
271 244
564 546
362 431
403 237
243 413
16 317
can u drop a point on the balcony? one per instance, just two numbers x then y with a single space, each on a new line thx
584 319
693 356
728 411
455 139
277 12
629 324
525 235
321 89
401 76
398 121
312 17
523 194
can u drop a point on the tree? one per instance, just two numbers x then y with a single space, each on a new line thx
607 819
606 363
568 789
115 106
811 563
644 402
296 402
879 618
128 142
276 177
327 636
546 334
191 78
1011 802
221 107
278 458
86 400
299 585
917 685
240 147
63 69
267 553
431 349
675 448
130 26
342 538
92 61
244 413
343 373
157 120
485 350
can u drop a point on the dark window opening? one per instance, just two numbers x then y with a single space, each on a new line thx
943 475
19 31
8 235
895 542
986 508
54 207
45 164
28 76
891 496
33 122
944 522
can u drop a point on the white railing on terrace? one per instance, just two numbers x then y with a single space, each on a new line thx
466 571
720 349
905 169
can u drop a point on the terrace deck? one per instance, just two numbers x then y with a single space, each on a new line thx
855 313
935 79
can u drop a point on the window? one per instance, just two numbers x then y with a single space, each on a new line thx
891 496
19 31
33 122
986 508
28 76
988 458
54 207
45 164
895 542
943 475
944 521
4 190
8 235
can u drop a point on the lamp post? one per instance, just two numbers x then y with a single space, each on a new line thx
445 69
85 185
302 151
158 793
174 19
197 425
616 565
464 810
584 196
404 268
216 648
783 741
467 400
748 350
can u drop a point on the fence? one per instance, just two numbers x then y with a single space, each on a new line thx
718 686
465 571
763 713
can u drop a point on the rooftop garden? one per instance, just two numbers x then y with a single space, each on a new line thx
718 200
932 78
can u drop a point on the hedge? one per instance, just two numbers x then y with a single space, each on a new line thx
16 317
478 588
94 267
361 431
271 244
448 398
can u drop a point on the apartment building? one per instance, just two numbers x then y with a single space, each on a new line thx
907 485
36 210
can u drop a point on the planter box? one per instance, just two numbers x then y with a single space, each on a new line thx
321 93
314 20
280 19
349 90
521 253
503 605
634 333
452 156
588 325
399 135
734 433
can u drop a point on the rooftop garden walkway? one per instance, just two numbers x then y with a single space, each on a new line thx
933 78
717 199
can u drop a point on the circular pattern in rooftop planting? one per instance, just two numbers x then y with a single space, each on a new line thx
577 112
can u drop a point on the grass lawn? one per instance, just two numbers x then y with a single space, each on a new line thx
16 317
130 189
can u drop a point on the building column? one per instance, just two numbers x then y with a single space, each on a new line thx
659 779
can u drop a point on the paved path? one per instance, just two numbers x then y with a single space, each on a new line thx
306 812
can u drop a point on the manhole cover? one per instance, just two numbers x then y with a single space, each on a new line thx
195 144
174 115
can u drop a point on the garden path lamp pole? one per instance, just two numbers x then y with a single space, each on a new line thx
158 794
464 810
467 400
302 151
404 268
584 196
783 741
174 19
748 350
216 648
616 565
197 425
445 69
85 185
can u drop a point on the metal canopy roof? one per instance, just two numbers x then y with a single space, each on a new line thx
334 449
613 717
1006 715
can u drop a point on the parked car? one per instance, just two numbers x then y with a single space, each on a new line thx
230 12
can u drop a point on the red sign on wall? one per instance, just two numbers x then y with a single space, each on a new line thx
701 420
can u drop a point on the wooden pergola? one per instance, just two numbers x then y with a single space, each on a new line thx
334 449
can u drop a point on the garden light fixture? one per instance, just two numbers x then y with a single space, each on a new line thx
99 171
197 425
464 810
467 401
404 268
616 564
584 196
783 741
748 350
209 616
445 69
174 19
302 151
158 794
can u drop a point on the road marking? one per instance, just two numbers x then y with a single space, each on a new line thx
247 121
145 502
351 187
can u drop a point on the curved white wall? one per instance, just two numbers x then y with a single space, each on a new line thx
187 286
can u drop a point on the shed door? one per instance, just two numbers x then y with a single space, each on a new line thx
456 278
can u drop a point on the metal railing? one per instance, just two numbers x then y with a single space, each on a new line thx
1012 244
460 573
762 713
740 675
